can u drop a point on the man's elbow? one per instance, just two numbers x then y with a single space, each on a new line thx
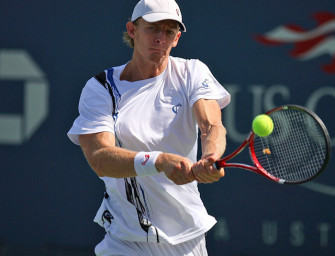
96 164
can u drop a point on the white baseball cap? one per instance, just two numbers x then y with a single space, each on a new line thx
157 10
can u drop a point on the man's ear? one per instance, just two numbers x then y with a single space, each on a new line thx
176 40
131 29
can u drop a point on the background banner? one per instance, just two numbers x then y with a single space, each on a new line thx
265 53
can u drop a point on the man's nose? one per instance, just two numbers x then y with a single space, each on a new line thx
160 37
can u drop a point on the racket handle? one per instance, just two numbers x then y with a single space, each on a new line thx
216 165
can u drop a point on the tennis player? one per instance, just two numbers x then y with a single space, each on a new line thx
138 128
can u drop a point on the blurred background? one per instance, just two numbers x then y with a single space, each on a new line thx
266 54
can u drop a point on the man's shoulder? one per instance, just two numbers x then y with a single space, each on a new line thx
188 63
182 60
103 74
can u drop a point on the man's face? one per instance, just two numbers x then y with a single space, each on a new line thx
154 41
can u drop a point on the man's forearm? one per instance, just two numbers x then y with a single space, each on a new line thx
112 162
214 140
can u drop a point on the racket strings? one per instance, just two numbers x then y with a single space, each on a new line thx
301 149
295 151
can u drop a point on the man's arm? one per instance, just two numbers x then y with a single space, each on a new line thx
107 160
213 140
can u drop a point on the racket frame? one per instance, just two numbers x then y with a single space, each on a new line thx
249 141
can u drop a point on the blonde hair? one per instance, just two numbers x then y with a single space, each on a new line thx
130 41
126 38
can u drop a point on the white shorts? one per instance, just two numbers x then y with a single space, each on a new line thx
112 246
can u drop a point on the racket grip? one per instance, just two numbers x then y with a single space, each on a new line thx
216 165
219 164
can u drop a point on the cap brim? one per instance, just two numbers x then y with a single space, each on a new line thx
154 17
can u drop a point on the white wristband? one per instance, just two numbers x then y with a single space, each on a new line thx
144 163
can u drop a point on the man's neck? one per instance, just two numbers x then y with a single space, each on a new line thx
138 69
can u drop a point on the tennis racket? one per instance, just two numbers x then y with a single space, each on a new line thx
295 152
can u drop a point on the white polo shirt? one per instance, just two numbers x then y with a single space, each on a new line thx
151 115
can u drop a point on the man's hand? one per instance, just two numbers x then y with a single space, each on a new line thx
205 172
175 167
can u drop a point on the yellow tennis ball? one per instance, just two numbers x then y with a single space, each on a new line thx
262 125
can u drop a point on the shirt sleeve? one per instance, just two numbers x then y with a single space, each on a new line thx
95 112
203 85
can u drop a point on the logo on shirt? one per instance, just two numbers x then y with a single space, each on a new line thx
308 44
147 157
206 83
176 108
